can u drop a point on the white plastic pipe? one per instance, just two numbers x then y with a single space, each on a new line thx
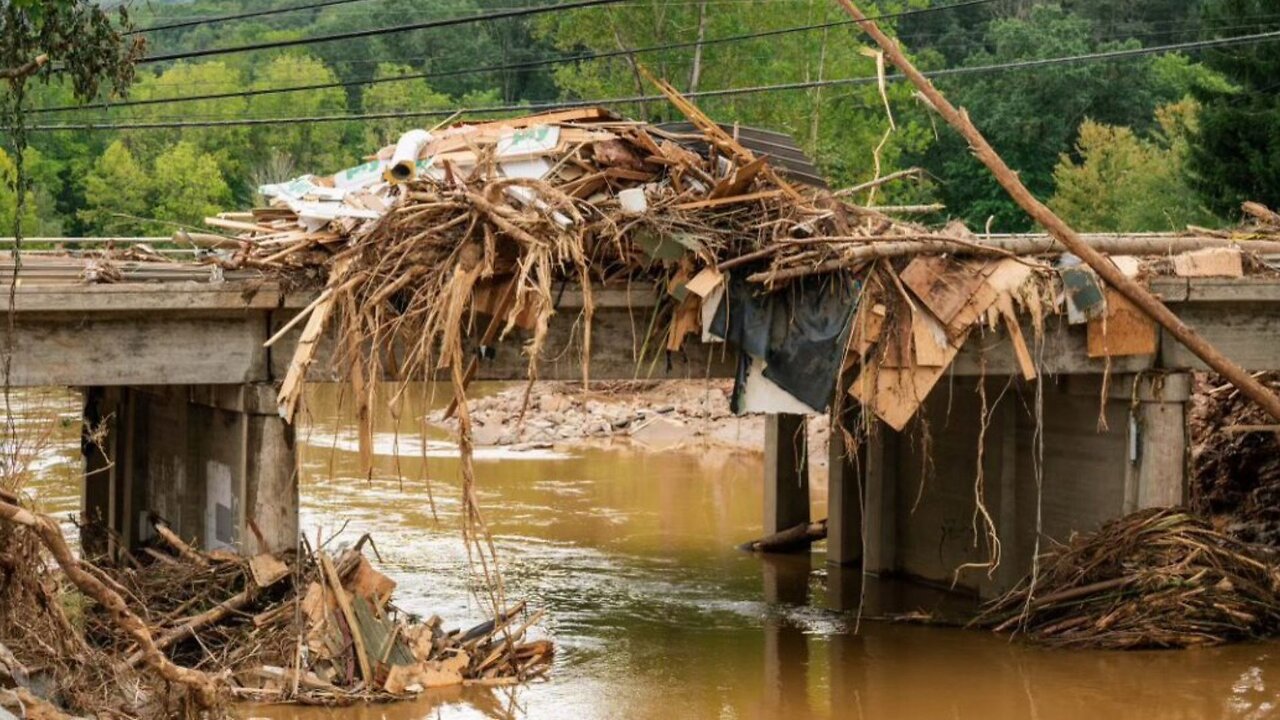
404 161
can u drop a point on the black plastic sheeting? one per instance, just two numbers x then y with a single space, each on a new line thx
800 332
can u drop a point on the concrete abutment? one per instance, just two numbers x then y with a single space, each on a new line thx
214 462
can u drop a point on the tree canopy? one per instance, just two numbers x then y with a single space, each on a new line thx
1066 128
1236 153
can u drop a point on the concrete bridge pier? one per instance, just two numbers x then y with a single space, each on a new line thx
1100 448
786 473
215 462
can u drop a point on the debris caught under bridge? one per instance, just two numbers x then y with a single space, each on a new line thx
313 629
432 254
1155 579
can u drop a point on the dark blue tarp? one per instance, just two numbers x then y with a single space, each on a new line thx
799 331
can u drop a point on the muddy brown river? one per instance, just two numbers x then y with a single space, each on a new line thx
654 613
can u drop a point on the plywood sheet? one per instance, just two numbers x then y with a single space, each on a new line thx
1123 330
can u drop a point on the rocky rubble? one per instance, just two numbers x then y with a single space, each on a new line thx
656 414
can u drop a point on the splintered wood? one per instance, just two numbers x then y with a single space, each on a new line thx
316 629
948 299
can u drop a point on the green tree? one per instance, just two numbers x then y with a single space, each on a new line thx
1031 116
438 49
1167 20
317 147
9 204
117 184
228 145
1236 153
66 159
413 94
186 185
1127 183
77 38
841 128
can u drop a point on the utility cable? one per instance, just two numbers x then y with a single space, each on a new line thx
525 65
371 32
1018 65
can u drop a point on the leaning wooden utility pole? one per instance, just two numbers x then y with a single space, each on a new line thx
1056 227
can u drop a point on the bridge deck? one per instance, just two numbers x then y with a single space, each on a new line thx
183 333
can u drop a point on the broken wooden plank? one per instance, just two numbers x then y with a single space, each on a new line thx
238 225
344 604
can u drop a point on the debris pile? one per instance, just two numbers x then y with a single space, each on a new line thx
459 237
1155 579
323 630
1236 460
318 629
45 661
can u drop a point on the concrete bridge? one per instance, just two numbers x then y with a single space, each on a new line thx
177 375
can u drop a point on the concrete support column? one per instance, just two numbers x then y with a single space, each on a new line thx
861 497
786 473
215 462
1159 470
845 467
100 497
881 494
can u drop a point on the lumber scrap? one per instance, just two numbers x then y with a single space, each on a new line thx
1123 330
344 604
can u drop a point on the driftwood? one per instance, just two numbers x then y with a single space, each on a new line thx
190 626
793 538
1154 579
204 688
180 546
1063 232
862 251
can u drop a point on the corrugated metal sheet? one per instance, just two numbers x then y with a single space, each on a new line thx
780 147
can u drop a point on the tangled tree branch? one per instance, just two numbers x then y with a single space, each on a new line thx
204 688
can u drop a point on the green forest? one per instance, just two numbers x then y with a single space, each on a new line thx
1148 142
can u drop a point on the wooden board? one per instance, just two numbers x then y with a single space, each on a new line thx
1123 330
946 286
1210 262
895 394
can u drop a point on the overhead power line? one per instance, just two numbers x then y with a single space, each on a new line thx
1018 65
240 16
371 32
525 65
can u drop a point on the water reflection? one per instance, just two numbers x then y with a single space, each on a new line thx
657 616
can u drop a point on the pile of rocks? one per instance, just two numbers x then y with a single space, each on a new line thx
655 414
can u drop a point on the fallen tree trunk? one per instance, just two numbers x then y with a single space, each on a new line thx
1063 232
793 538
179 545
191 625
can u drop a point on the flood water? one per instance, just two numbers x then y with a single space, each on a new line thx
654 613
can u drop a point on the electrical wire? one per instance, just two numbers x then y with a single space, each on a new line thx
525 65
1018 65
371 32
192 22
